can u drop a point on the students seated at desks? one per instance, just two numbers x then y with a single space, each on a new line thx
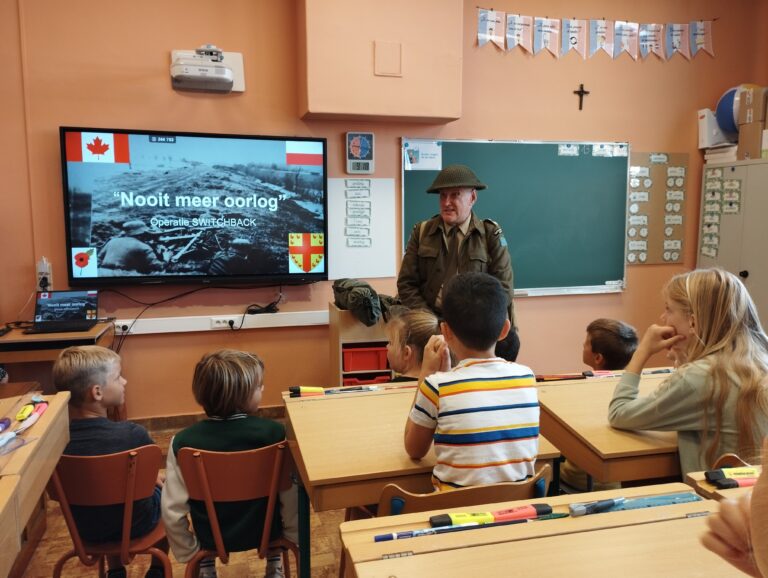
738 533
483 414
408 332
717 400
92 376
228 384
609 345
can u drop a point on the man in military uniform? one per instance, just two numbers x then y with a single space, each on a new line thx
129 254
455 241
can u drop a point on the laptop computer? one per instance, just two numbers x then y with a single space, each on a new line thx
60 311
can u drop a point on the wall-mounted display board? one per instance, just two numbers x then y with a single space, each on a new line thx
562 206
656 208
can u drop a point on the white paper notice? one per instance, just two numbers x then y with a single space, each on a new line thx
422 155
361 231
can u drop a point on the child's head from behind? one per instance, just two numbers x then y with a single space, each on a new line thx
91 374
609 344
713 309
475 308
227 382
408 332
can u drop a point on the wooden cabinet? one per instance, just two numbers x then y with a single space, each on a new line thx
358 353
732 230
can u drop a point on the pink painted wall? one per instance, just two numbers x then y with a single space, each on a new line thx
99 64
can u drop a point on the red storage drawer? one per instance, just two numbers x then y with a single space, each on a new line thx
364 358
356 381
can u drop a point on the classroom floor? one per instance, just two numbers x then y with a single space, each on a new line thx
326 546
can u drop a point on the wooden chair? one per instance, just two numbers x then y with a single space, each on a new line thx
213 477
119 478
729 461
394 500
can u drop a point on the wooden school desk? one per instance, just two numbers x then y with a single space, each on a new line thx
699 483
574 417
658 541
29 468
348 447
18 347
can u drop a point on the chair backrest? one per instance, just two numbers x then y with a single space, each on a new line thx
729 461
213 477
394 500
119 478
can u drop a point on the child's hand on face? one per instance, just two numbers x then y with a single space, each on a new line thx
660 337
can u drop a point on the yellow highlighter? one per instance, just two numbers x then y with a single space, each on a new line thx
305 390
25 412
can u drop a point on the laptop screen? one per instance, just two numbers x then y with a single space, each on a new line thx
66 305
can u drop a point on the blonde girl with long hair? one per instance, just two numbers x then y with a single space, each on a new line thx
408 332
717 399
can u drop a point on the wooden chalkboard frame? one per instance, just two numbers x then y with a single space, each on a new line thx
570 211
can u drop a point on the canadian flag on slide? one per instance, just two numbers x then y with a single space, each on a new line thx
97 147
303 153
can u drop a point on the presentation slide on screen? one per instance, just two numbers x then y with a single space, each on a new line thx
164 205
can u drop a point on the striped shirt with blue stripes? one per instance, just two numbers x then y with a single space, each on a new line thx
485 413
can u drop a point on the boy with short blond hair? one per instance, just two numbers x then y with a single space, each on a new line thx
92 376
483 414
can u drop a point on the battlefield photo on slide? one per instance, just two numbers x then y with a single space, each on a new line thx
148 205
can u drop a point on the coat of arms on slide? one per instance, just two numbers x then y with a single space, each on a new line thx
306 252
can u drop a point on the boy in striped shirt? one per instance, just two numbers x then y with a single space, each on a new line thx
483 414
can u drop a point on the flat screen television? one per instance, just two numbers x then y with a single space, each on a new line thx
162 207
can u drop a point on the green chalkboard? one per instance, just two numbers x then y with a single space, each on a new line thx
562 206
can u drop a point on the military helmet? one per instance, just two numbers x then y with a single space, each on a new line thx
455 176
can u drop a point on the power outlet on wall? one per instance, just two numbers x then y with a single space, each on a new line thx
44 275
224 322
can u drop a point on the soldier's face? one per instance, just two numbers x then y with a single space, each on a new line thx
456 204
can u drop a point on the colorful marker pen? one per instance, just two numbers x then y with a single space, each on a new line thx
594 507
5 423
723 473
730 483
520 513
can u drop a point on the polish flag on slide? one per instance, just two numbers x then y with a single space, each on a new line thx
303 153
97 147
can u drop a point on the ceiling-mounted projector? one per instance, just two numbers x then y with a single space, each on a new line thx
202 70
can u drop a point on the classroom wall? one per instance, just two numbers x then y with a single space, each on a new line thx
99 64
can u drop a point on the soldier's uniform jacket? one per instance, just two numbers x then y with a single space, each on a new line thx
422 272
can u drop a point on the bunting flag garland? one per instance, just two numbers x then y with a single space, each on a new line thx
701 37
520 32
546 34
601 37
650 40
625 39
677 40
490 27
574 37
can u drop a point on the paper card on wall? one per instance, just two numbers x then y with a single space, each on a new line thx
574 37
712 218
712 196
675 171
650 40
732 184
713 184
352 221
490 27
638 220
677 40
601 34
546 34
362 242
602 150
711 240
567 150
520 32
670 244
673 219
638 245
356 212
701 37
358 193
731 208
714 173
638 197
675 195
639 171
708 251
658 158
731 196
357 232
712 207
358 205
422 156
620 150
625 38
357 183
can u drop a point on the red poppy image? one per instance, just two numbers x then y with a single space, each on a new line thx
82 259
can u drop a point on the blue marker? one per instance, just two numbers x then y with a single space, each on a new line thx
5 423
